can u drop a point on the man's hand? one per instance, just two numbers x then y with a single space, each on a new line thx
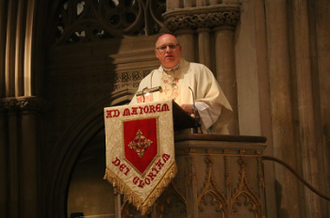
189 108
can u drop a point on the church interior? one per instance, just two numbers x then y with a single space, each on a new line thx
63 61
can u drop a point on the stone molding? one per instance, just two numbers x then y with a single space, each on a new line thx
202 17
26 104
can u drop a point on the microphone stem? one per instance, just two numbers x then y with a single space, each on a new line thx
194 107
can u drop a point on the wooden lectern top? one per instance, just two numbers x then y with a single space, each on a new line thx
181 119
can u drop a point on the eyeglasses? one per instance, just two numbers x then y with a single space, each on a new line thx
164 47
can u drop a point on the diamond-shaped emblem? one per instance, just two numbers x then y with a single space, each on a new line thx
140 141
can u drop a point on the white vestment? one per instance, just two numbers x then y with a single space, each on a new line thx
211 103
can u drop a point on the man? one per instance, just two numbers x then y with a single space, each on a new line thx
185 82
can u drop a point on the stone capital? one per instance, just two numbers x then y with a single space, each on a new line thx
202 17
21 104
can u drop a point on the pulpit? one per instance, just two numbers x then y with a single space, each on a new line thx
216 176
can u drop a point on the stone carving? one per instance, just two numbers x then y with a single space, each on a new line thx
244 195
81 21
210 189
21 105
129 79
172 204
197 19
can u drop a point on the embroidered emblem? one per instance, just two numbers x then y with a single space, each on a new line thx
170 87
140 143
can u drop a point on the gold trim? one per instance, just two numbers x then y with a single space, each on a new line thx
142 206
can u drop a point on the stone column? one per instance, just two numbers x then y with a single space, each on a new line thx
3 9
225 70
191 187
14 156
29 159
186 39
19 49
201 3
173 4
10 48
3 163
187 3
305 110
204 46
323 68
281 107
214 2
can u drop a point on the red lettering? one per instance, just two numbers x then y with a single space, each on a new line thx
152 176
127 170
147 181
165 157
134 111
152 109
159 164
141 185
154 169
146 109
116 113
112 113
158 107
165 107
122 167
126 112
108 114
116 162
136 180
141 109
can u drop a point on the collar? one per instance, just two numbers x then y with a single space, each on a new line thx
171 69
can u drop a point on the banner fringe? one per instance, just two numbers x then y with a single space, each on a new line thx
142 207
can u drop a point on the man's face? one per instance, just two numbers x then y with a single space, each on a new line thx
168 51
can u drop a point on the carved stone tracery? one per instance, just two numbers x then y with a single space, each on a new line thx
244 189
93 20
211 189
209 17
21 105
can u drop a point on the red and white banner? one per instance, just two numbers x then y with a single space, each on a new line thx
140 158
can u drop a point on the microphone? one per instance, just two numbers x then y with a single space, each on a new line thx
194 106
148 91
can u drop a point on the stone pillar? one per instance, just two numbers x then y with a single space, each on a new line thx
13 162
204 46
214 2
201 3
281 107
323 68
173 4
305 110
186 39
187 3
225 70
191 187
10 49
3 10
29 159
19 49
3 163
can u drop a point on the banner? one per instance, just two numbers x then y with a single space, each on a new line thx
140 154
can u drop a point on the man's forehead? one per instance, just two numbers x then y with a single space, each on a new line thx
166 38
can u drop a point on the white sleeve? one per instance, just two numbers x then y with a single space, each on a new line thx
207 115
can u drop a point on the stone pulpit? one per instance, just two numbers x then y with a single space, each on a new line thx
218 176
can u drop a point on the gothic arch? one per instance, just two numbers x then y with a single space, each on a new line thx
69 147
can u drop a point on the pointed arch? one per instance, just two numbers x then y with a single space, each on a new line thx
69 146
